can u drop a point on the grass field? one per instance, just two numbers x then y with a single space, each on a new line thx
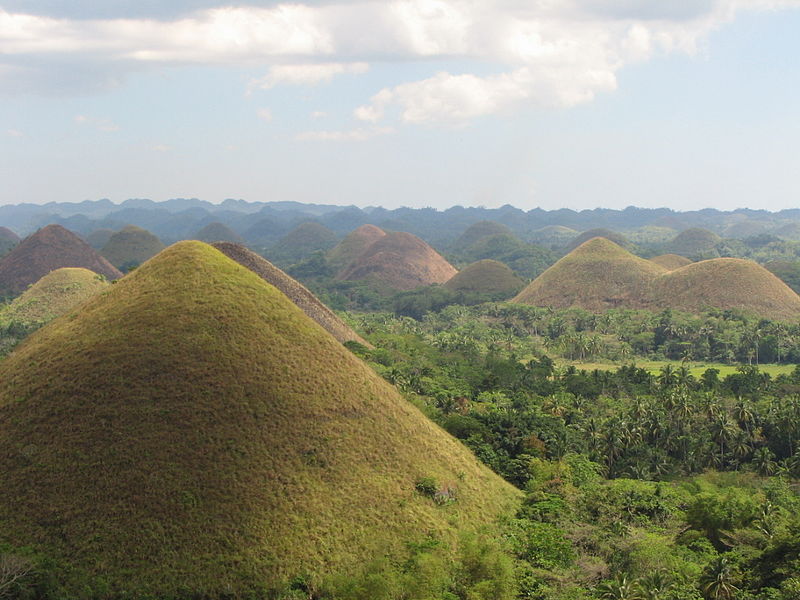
696 368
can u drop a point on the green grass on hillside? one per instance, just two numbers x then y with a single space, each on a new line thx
191 433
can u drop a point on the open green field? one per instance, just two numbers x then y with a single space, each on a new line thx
696 368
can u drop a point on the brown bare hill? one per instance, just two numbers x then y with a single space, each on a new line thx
218 232
50 248
596 276
485 276
399 261
695 242
353 245
130 247
671 261
617 238
293 289
191 433
727 283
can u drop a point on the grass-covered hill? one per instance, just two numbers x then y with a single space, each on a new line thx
294 290
8 239
53 295
526 260
727 283
191 433
617 238
485 276
99 237
218 232
695 243
787 270
600 275
50 248
399 261
790 231
301 242
671 261
553 236
479 231
353 245
596 276
130 247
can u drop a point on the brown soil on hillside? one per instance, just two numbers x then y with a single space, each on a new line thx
353 245
50 248
671 261
399 261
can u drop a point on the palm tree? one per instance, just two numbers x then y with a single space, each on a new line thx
656 585
619 588
716 583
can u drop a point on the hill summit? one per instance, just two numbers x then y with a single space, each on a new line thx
293 289
50 248
191 433
400 261
353 245
131 246
485 276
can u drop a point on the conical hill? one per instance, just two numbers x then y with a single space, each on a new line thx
617 238
596 276
695 242
293 289
50 248
671 261
218 232
131 246
399 261
727 283
478 231
485 276
8 239
192 433
53 295
353 245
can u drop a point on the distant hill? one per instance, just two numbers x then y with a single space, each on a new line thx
50 248
787 271
399 261
671 261
192 434
264 231
353 245
8 239
600 275
526 260
695 243
596 276
294 290
553 236
479 231
790 231
218 232
485 276
52 296
99 238
617 238
131 247
301 242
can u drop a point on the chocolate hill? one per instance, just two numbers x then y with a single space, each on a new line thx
695 242
596 276
293 289
191 433
218 232
301 242
600 275
131 246
50 248
53 295
617 238
485 276
8 239
99 238
399 261
671 261
353 245
478 231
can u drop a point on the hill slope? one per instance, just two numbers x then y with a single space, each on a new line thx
617 238
293 289
8 239
50 248
671 261
478 231
695 243
301 242
596 276
399 261
218 232
353 245
52 296
191 433
485 276
727 283
131 246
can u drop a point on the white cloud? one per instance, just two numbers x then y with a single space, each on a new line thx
101 124
353 135
319 114
541 53
14 133
264 114
305 74
161 148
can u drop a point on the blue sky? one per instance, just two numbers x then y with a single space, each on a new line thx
579 103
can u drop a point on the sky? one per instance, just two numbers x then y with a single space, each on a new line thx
535 103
